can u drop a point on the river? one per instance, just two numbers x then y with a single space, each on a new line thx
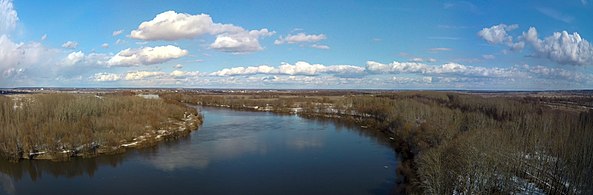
233 152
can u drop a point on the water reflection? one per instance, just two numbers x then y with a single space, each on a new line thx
198 156
69 169
6 183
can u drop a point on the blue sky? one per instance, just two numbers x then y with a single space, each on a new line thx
506 45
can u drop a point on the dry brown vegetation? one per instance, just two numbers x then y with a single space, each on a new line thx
64 125
457 143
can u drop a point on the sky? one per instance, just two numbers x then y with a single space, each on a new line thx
464 45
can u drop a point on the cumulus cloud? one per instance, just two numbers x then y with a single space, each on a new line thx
43 37
145 76
117 32
498 33
8 17
80 58
15 56
74 58
146 56
139 75
561 47
299 68
70 44
240 42
178 66
105 45
263 69
559 74
448 69
104 77
302 68
171 26
20 63
300 38
183 74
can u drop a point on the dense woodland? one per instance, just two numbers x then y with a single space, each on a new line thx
455 142
65 125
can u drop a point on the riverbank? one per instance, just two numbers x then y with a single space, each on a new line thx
62 126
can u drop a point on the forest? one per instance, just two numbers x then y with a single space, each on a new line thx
58 126
453 142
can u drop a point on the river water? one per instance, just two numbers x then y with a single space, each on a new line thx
234 152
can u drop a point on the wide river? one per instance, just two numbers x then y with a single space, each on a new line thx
234 152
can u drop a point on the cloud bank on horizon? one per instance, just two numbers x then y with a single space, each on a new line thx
210 45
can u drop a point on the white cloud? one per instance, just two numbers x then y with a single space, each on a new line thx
43 37
343 70
263 69
20 55
299 68
117 32
302 68
411 80
74 58
119 41
423 59
70 44
171 26
561 47
240 42
448 69
300 38
139 75
498 33
105 45
178 66
146 56
8 17
559 74
319 46
397 67
183 74
104 77
81 58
